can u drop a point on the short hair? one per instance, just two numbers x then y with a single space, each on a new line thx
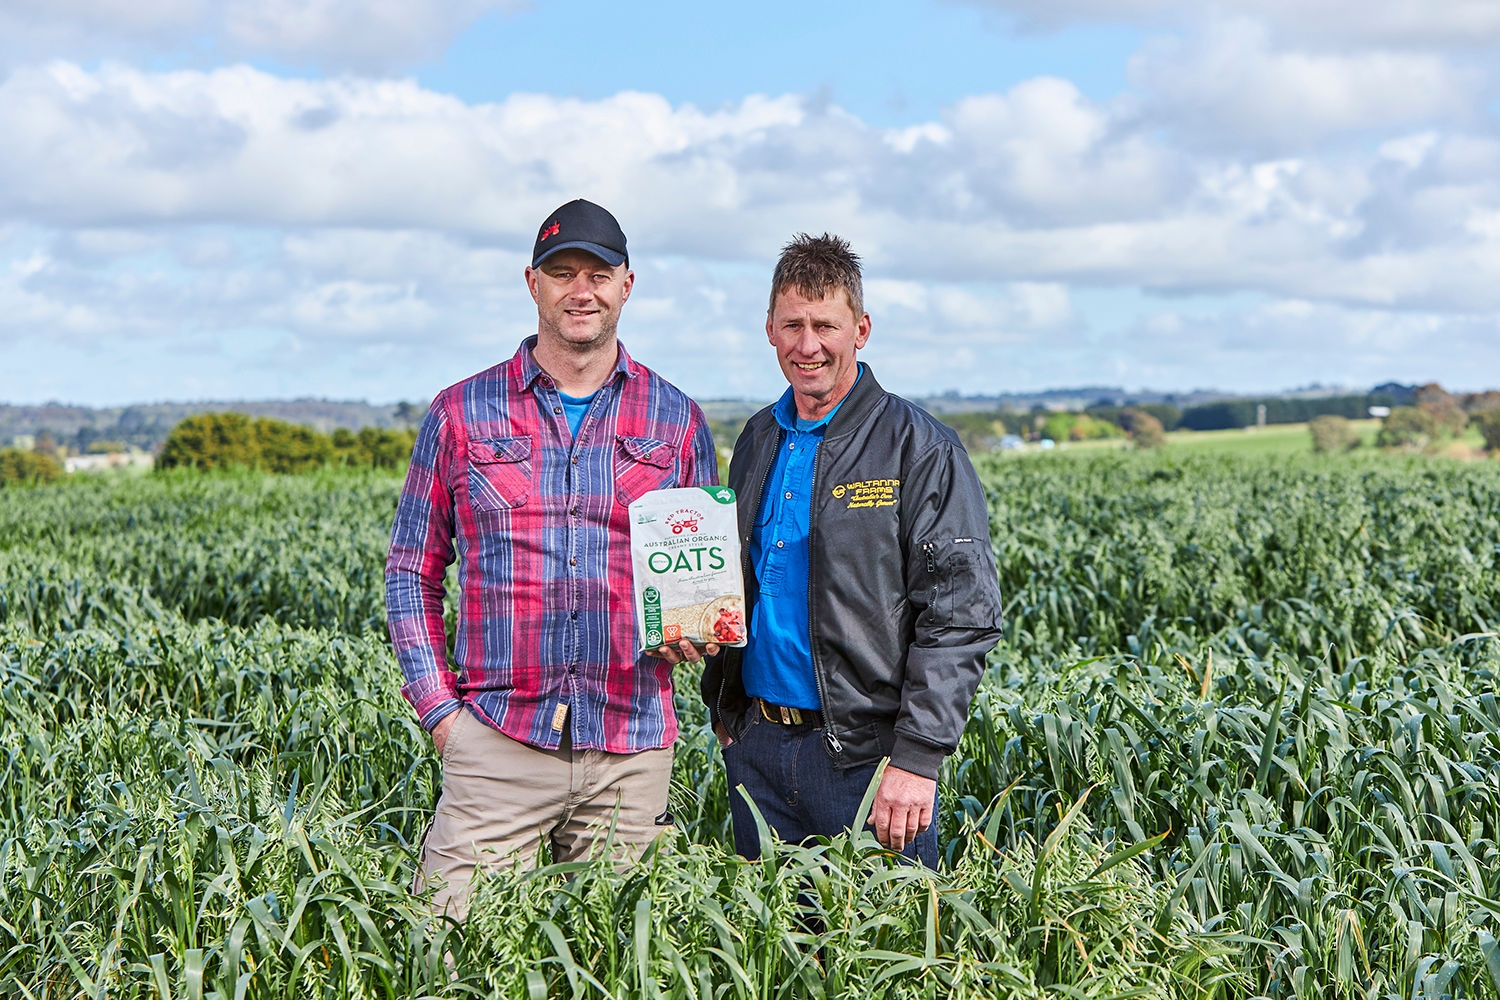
815 266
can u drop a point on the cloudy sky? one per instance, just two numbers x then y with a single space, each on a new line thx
336 198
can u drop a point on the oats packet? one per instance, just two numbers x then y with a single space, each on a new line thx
685 554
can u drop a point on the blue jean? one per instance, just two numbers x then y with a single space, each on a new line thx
797 789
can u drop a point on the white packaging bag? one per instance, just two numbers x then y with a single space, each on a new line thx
685 557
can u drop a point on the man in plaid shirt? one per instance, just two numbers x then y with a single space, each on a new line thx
553 725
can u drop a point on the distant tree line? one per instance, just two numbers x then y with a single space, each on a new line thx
134 429
1437 415
80 430
19 467
1169 416
235 440
1230 414
1234 414
983 430
1429 417
1420 415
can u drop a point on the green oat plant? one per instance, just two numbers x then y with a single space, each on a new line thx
844 918
236 547
177 854
1241 740
1345 830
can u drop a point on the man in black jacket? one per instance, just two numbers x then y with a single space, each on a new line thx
870 582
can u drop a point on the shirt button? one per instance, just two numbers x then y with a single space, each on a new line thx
791 447
557 409
575 459
781 545
788 494
572 562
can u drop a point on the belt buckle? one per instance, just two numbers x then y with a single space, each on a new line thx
785 716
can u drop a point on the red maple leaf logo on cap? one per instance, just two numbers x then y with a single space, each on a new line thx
551 230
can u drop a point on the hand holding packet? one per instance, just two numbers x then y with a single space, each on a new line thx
685 557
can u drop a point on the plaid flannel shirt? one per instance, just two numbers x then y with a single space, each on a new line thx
538 523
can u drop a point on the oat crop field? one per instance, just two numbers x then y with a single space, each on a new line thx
1241 740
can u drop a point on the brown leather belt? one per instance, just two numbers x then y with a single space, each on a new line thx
784 716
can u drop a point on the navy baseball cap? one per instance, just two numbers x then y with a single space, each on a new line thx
581 225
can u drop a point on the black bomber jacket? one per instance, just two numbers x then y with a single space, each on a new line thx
903 595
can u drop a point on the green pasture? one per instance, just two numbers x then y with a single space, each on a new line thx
1270 441
1241 739
1275 439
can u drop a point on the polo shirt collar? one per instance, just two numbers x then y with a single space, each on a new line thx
785 408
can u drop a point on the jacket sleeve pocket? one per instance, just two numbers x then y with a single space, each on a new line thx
959 578
499 473
642 465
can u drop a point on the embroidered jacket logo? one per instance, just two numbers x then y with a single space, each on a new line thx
868 493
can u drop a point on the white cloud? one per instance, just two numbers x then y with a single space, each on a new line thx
1043 305
1044 152
398 255
1396 23
1281 343
1409 150
357 34
359 309
883 294
237 144
1035 184
377 36
30 29
1232 87
140 17
317 225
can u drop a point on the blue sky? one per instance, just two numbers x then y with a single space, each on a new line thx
275 198
890 63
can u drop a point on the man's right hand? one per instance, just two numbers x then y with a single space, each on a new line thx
683 652
440 731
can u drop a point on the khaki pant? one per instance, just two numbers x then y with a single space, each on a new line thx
501 798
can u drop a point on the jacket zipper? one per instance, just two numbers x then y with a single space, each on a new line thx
831 742
745 568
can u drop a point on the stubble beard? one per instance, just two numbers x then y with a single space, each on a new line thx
605 336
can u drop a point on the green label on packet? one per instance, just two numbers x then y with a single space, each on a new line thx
651 601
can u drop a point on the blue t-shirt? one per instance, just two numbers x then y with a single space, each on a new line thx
778 652
574 407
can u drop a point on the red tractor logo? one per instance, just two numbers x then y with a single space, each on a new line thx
684 520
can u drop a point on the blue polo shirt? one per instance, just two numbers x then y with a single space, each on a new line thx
778 653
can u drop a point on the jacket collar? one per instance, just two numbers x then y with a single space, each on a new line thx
785 409
859 404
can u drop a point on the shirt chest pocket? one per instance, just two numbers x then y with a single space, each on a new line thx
499 473
642 465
